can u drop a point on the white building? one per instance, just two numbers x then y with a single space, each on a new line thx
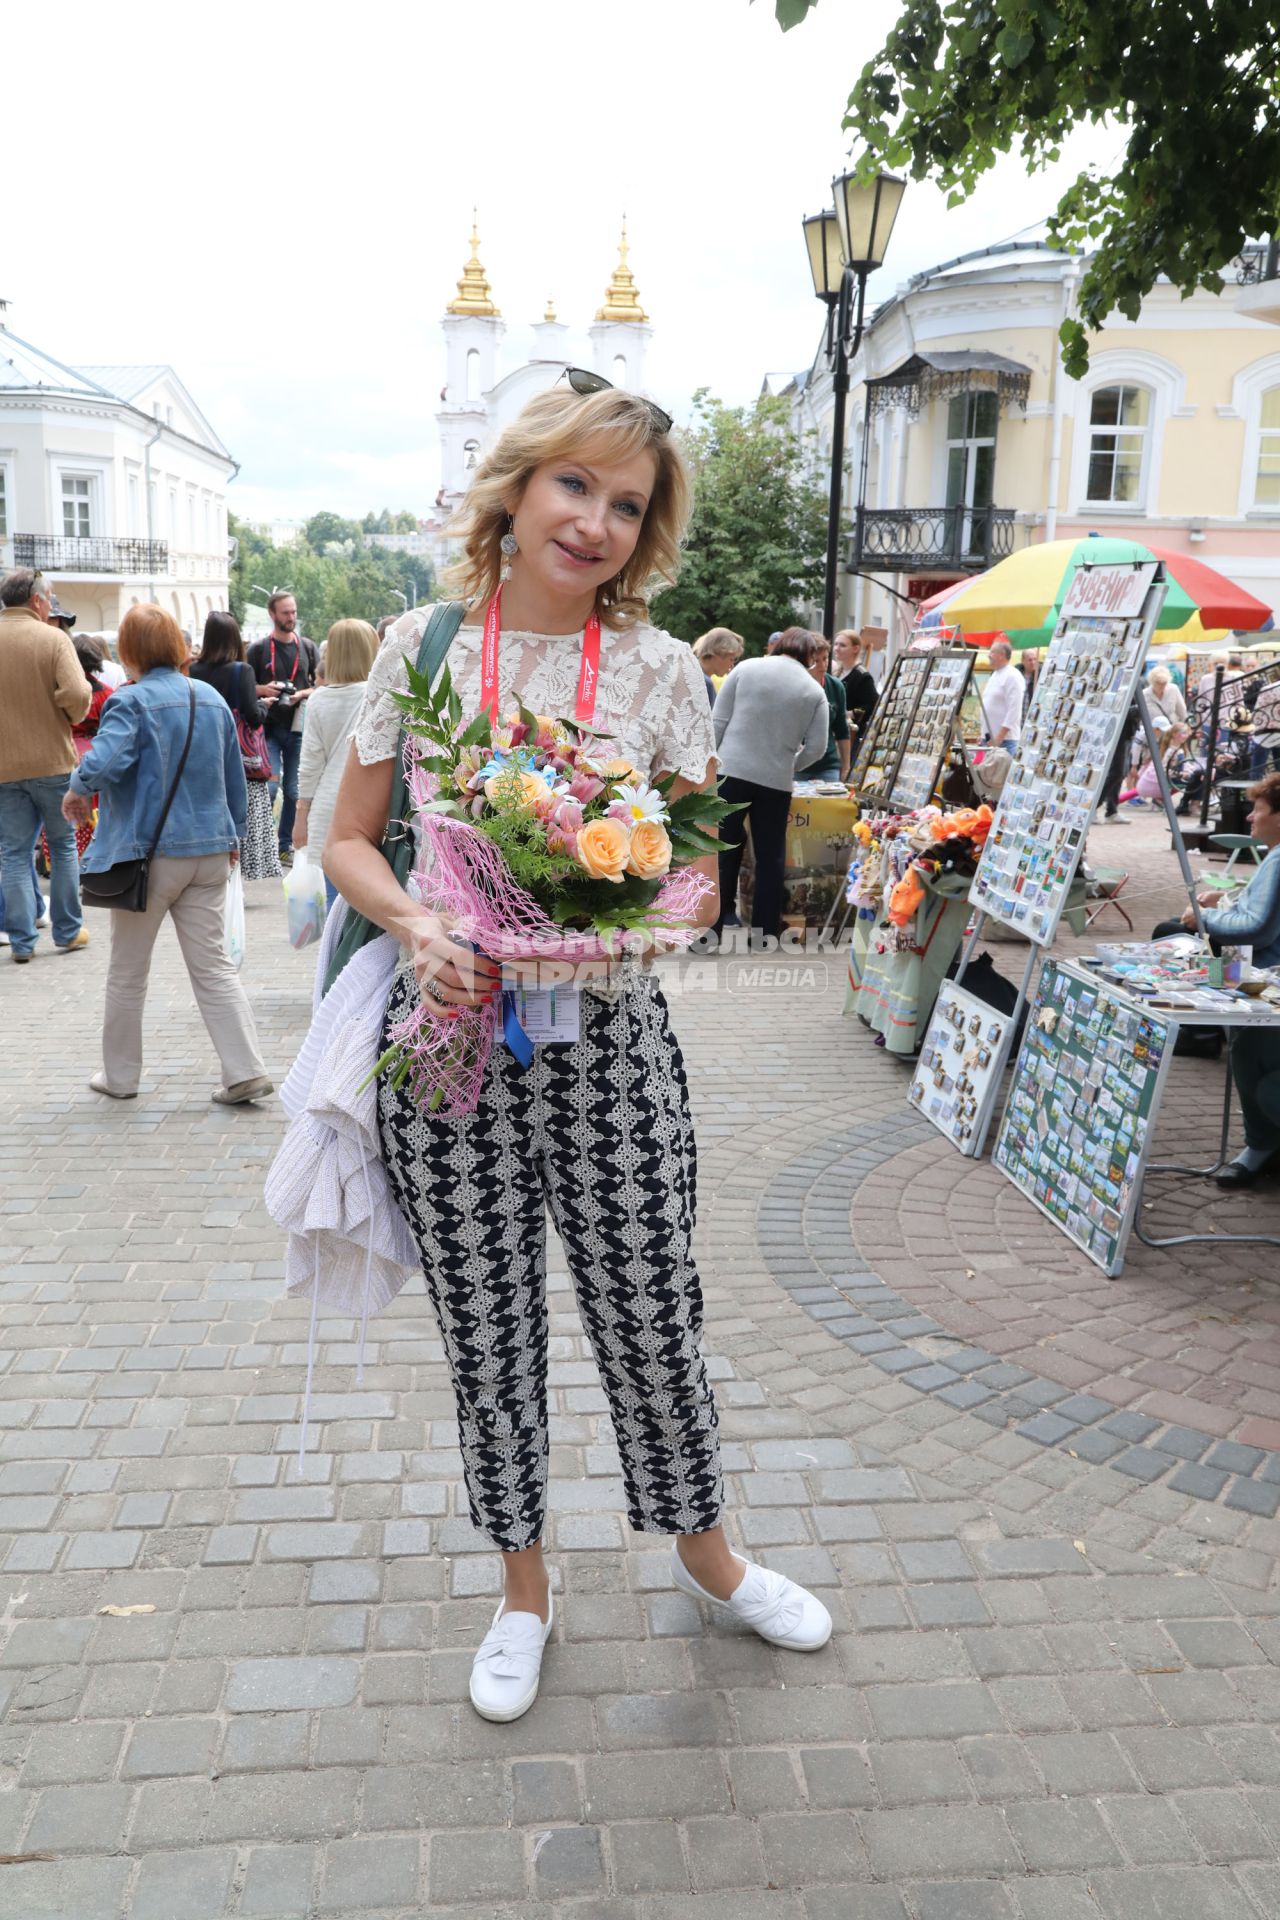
113 484
478 401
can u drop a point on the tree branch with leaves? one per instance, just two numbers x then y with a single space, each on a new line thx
1191 88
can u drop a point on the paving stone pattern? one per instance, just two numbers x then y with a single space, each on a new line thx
1052 1693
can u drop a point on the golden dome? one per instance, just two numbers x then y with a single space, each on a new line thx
621 300
549 317
474 296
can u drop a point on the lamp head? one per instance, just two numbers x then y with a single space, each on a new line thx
822 238
865 212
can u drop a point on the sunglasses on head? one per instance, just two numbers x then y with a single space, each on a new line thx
584 382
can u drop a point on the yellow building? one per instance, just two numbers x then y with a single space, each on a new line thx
967 440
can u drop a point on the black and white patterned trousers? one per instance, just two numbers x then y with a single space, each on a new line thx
600 1132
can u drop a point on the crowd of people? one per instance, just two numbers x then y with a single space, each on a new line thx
169 759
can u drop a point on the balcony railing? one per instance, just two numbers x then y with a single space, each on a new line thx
48 553
909 539
1258 263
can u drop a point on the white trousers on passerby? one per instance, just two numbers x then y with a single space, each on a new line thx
193 893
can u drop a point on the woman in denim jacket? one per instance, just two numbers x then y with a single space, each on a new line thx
130 765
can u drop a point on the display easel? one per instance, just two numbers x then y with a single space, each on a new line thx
1089 678
890 724
927 742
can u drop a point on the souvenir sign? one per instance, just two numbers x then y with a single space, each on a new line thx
1077 1128
957 1076
932 728
1083 693
881 749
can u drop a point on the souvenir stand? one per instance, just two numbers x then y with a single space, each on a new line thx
1076 1132
1037 838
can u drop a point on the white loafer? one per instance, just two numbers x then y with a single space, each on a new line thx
776 1608
508 1663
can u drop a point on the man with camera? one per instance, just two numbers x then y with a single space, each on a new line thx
284 666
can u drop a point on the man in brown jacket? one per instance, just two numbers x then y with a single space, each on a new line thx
43 692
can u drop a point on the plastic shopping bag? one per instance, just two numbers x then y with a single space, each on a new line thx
233 921
305 899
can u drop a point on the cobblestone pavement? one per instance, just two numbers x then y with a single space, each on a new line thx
1054 1689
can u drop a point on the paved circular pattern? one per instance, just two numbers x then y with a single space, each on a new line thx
805 1235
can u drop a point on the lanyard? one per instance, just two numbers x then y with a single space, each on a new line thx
588 673
297 648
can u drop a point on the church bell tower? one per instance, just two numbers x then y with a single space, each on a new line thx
621 332
472 329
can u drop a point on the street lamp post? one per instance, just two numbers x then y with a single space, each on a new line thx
846 244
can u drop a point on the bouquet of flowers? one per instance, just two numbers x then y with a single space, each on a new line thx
537 843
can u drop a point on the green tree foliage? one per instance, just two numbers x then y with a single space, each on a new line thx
757 540
387 522
325 530
1195 83
363 583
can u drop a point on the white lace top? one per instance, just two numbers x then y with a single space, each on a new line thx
651 699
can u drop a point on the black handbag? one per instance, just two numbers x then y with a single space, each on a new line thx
124 886
397 844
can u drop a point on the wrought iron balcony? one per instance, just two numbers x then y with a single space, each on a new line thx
48 553
912 539
1257 263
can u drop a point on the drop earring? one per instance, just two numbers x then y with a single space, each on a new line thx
509 547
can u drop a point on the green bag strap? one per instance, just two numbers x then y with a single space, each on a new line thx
397 843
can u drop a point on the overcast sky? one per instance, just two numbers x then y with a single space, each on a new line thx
275 198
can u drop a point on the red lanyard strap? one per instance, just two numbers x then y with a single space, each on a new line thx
588 672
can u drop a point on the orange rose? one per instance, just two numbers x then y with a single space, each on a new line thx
515 790
650 850
602 849
623 770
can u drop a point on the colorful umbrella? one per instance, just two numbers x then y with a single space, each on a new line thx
1021 596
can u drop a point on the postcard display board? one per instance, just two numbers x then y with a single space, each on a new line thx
931 730
961 1061
890 725
1082 696
1086 1089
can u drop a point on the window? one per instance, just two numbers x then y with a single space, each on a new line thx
1119 421
75 507
1266 492
470 454
971 462
4 505
134 528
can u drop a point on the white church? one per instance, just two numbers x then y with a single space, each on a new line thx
476 402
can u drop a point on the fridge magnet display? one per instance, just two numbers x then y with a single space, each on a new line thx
1082 695
1077 1127
957 1076
931 730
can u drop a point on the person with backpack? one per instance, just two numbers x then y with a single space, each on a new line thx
285 666
222 665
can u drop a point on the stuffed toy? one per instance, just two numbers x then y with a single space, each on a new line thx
906 897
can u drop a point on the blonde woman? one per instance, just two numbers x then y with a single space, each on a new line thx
718 653
1164 697
585 497
349 651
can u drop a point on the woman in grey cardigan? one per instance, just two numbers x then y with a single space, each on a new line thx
770 717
